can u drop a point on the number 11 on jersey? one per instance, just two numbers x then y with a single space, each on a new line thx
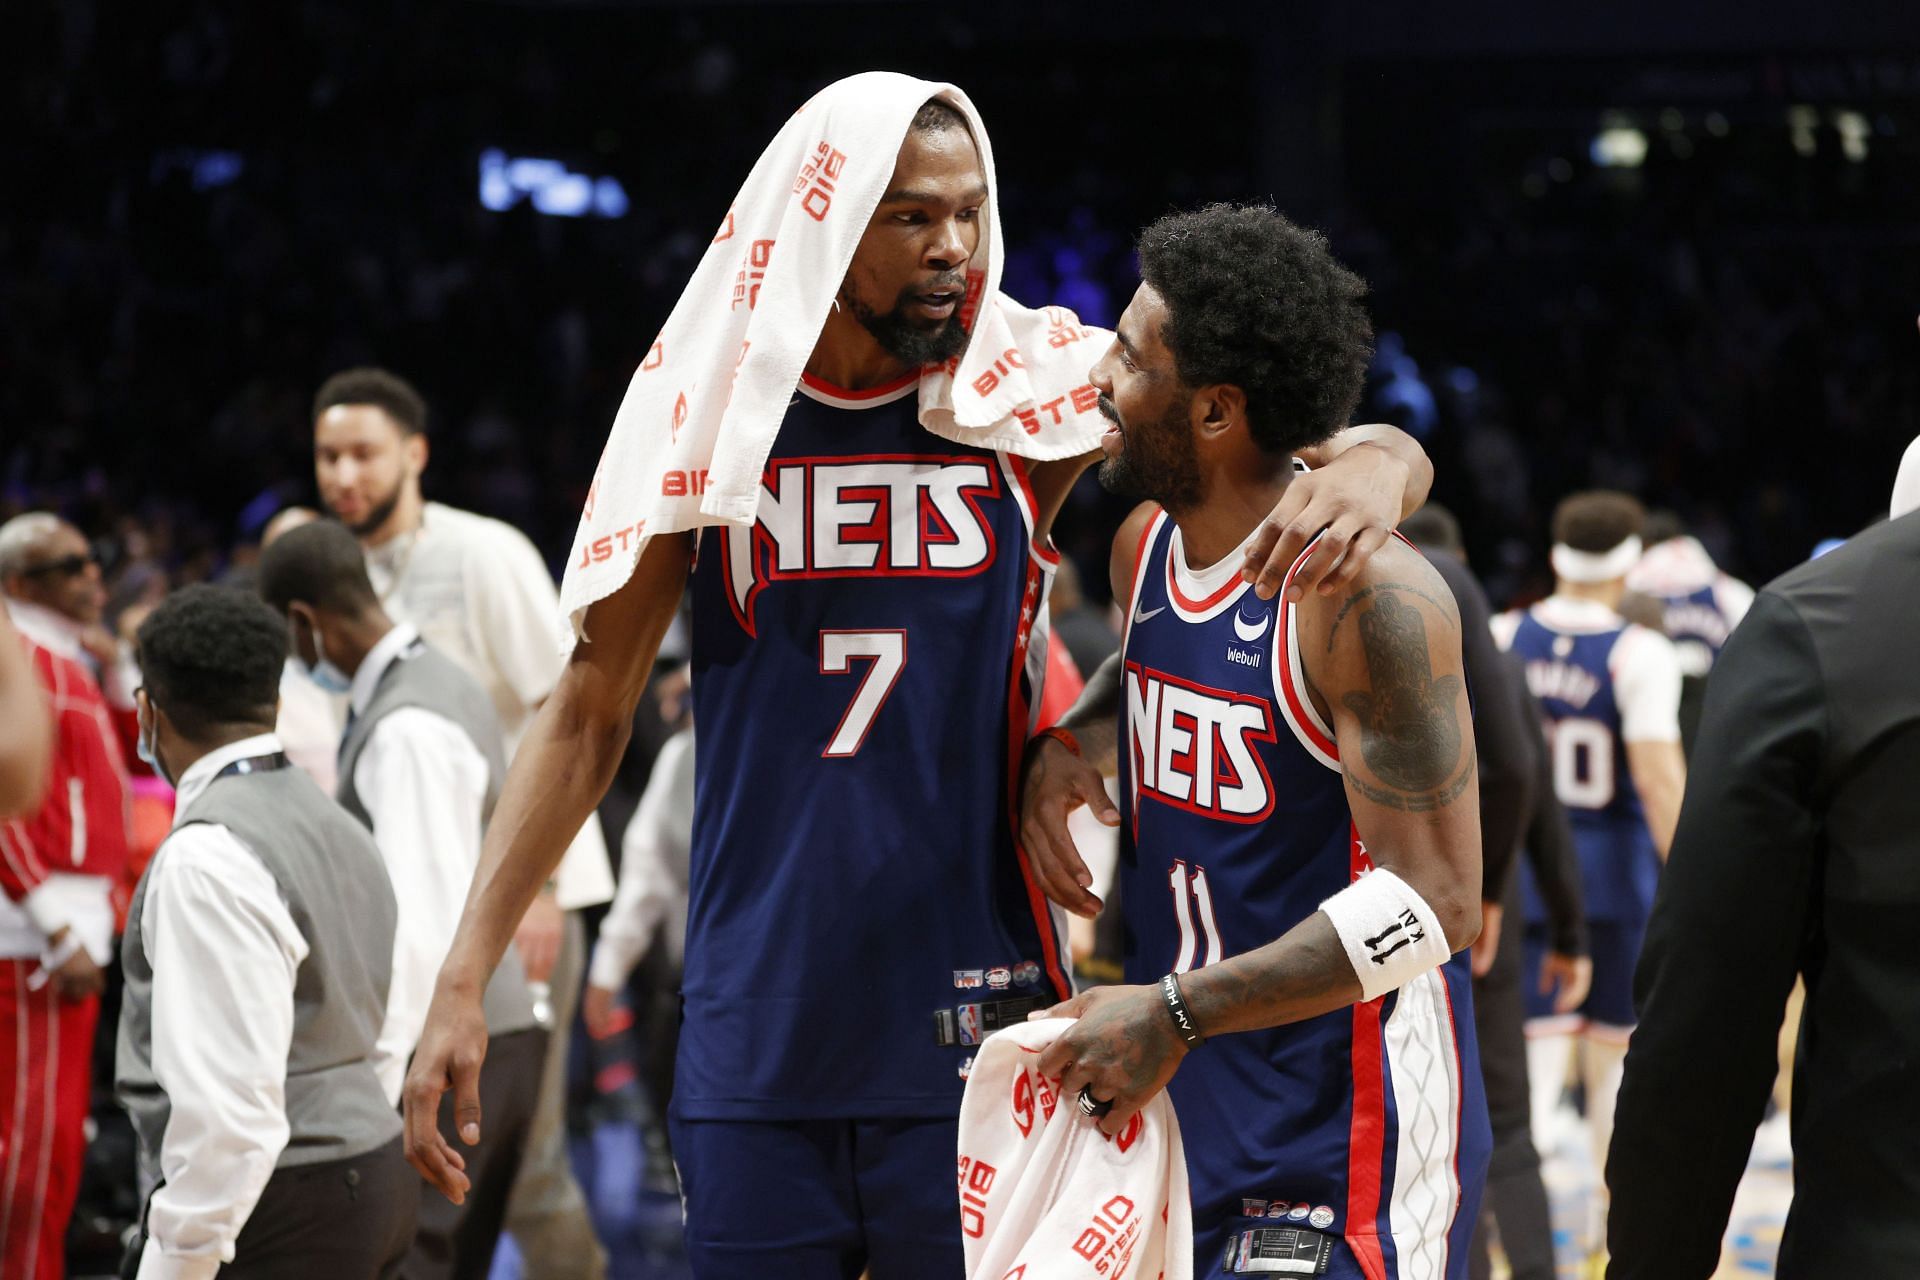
887 652
1193 910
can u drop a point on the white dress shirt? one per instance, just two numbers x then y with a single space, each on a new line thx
424 785
481 595
653 870
224 951
309 726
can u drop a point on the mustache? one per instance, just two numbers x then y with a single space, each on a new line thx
955 282
1109 410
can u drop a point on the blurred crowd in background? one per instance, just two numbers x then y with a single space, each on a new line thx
213 207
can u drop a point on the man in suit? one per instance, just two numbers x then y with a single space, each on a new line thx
1797 855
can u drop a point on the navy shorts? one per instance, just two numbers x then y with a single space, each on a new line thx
820 1199
1616 950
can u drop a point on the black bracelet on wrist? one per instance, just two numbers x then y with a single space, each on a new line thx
1177 1007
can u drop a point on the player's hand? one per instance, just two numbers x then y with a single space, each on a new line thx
1356 498
1055 782
538 937
600 1010
451 1049
1487 945
1122 1048
1572 974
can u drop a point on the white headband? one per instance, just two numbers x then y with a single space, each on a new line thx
1595 566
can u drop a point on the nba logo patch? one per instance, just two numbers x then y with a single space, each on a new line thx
969 1025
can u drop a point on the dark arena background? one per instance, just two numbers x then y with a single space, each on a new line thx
1671 249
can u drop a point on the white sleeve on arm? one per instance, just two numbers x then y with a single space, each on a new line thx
1503 626
652 858
224 951
424 784
1734 598
516 610
1646 684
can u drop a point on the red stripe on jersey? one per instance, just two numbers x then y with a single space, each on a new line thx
870 393
1187 602
1296 700
1023 494
1366 1141
1139 568
1018 714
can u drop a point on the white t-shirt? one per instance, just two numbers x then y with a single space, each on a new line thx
480 594
653 870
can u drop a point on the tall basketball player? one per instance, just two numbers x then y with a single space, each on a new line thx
1610 692
1300 828
859 915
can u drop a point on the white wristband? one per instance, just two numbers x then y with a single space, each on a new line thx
1391 935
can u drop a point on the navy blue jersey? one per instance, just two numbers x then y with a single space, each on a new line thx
864 661
1570 669
1698 625
1363 1122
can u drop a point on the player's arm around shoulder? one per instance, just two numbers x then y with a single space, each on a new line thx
1384 666
1066 766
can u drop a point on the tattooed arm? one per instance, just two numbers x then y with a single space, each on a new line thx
1383 666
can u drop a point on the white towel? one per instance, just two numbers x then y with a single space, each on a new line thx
690 443
1044 1195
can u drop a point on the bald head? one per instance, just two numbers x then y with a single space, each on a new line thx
286 521
46 561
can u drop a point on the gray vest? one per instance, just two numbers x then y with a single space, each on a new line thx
336 889
424 677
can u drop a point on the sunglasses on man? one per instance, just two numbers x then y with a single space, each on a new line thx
65 566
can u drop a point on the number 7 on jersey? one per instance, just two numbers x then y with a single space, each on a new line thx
887 652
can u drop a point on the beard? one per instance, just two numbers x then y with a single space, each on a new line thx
906 340
1156 461
378 514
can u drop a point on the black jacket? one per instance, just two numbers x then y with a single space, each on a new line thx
1798 854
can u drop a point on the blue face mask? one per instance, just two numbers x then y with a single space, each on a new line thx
330 678
143 747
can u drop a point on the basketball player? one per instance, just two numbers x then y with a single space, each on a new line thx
1700 605
1301 837
858 915
1610 691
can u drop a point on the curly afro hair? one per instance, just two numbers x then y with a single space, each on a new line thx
1261 304
211 657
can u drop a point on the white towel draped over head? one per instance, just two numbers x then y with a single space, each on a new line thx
690 443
